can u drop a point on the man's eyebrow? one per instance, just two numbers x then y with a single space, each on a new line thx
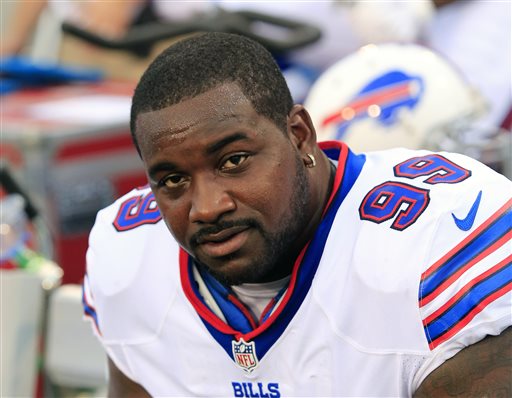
163 166
212 148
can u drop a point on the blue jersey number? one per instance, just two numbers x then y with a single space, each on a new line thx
440 170
396 200
137 211
405 203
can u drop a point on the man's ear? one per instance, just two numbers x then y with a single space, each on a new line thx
301 130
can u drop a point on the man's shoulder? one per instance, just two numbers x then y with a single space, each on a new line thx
125 238
419 206
132 260
408 214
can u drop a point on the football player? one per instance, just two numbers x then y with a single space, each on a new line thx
259 263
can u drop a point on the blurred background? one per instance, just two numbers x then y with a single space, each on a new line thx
424 74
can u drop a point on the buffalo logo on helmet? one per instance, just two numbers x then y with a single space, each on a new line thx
380 99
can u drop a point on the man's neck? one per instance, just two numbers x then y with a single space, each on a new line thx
257 296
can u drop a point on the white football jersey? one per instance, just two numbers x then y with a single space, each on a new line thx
411 263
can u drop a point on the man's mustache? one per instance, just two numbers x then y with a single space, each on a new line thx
220 226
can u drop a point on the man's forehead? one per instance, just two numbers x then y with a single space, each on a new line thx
220 103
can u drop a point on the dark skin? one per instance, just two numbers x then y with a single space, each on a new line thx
483 369
206 181
440 3
121 386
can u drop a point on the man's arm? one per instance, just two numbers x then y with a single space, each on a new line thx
121 386
483 369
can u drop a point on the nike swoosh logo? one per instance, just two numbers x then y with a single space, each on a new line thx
466 223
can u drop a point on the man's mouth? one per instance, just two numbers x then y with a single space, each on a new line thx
224 242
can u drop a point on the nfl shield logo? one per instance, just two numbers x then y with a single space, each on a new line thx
245 354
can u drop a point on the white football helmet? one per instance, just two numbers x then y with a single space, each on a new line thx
404 95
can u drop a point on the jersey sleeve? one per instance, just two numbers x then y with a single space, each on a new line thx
93 296
465 288
115 258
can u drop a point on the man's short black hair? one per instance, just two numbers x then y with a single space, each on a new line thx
197 64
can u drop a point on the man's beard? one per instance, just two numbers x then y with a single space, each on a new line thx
280 247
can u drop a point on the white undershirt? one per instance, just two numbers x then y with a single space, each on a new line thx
256 296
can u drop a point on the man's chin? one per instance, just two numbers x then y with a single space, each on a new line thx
235 271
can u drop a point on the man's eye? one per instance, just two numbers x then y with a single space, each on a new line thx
172 181
234 161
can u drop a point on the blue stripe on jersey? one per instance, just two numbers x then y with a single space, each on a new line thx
89 310
223 339
480 243
469 301
313 255
308 267
220 293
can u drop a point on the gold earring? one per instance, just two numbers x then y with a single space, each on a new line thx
312 162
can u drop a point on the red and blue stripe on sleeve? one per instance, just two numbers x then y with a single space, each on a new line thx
471 276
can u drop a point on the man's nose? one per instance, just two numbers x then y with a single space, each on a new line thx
210 200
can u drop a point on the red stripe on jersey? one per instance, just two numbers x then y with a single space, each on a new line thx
466 288
93 320
469 317
243 309
467 240
200 307
443 286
